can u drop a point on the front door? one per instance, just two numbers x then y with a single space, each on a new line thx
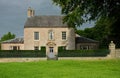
51 49
51 54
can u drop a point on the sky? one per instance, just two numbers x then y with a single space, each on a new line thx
13 14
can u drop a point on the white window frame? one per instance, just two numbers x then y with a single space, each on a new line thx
51 35
64 35
36 35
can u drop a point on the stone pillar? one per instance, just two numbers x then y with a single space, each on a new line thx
112 50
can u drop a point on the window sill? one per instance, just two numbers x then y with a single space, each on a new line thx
36 40
64 40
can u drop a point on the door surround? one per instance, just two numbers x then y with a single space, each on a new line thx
52 45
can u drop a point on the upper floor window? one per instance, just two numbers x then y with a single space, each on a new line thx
51 35
36 35
64 35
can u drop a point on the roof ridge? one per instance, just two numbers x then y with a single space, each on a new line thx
49 15
89 38
17 40
82 39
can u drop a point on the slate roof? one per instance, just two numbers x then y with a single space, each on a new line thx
81 39
15 40
45 21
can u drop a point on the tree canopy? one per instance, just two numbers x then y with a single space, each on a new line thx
80 11
106 13
7 36
101 32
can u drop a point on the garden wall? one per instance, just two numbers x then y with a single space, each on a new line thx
117 51
114 52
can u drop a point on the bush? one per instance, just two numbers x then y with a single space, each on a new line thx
43 48
22 53
82 53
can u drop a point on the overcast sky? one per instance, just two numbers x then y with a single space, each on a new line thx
13 14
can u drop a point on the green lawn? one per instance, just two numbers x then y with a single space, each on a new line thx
62 69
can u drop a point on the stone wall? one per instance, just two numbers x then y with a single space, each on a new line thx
117 53
114 53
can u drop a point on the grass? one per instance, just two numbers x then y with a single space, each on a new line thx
62 69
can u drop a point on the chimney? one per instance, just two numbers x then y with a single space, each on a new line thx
30 12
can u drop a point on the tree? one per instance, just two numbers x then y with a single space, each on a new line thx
100 32
87 32
80 11
7 36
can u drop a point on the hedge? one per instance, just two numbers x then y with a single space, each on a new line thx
82 53
61 53
22 53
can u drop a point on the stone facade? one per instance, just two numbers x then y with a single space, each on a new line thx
83 43
87 46
30 43
47 31
12 46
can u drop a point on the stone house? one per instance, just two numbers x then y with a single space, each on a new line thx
13 44
83 43
49 32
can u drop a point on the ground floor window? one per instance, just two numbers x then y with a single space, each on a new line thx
14 47
18 47
87 47
84 47
36 47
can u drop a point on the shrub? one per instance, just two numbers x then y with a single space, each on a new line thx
22 53
82 53
43 48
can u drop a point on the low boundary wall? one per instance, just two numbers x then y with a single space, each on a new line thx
6 60
117 52
114 52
